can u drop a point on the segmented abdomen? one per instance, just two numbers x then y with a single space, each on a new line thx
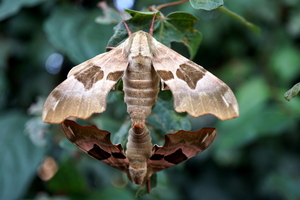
141 86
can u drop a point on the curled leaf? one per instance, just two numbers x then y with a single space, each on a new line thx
206 4
291 93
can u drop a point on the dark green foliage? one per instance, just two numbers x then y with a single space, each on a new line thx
175 27
255 156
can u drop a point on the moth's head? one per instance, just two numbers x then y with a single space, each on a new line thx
137 175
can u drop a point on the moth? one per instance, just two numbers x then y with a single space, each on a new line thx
178 148
142 62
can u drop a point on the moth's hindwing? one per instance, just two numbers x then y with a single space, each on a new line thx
96 143
180 147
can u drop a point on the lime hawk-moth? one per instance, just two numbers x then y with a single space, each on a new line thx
142 62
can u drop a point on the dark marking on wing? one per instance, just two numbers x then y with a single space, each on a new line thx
56 94
176 157
118 155
156 157
115 76
98 153
189 74
89 76
165 75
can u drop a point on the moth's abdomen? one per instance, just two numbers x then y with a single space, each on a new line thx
139 150
141 86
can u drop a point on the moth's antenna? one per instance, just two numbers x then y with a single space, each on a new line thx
152 25
128 31
127 28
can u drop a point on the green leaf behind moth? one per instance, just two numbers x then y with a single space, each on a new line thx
166 119
115 96
206 4
143 189
110 15
121 135
176 27
76 33
138 21
73 182
11 7
291 93
19 156
179 27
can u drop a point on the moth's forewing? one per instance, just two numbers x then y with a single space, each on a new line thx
195 90
85 90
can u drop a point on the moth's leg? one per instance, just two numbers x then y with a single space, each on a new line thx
152 24
127 28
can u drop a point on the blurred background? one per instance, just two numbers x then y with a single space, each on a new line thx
255 156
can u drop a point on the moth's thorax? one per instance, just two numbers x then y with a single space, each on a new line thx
140 44
140 79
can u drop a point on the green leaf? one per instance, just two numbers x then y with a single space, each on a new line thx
3 87
19 156
37 107
293 25
139 21
45 196
255 29
110 15
143 189
258 118
67 179
11 7
179 27
115 96
112 118
291 93
206 4
76 34
229 132
286 185
166 119
176 27
36 130
66 144
105 121
285 62
5 50
121 135
112 193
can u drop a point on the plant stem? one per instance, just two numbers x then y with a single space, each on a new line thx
171 4
241 19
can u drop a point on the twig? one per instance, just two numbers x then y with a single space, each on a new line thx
171 4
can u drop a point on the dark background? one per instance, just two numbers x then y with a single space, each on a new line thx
255 156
